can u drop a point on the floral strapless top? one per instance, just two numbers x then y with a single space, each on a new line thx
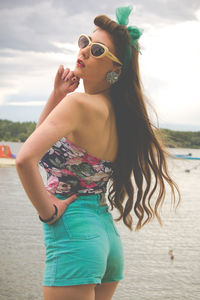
71 169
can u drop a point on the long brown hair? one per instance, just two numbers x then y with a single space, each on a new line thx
141 154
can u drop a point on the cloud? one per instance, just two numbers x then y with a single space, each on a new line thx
166 11
171 70
30 74
29 103
33 25
5 92
36 37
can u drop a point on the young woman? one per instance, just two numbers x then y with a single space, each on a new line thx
83 141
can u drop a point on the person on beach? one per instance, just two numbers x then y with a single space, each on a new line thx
92 143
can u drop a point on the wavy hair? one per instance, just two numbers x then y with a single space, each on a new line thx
140 168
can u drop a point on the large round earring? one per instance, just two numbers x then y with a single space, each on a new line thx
112 77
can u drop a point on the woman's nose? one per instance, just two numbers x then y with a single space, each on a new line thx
85 51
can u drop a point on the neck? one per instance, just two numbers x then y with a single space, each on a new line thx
92 88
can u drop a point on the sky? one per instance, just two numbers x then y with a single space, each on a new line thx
37 36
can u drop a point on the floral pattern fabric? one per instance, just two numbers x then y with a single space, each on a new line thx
71 169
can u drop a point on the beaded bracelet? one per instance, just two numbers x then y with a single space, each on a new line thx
52 218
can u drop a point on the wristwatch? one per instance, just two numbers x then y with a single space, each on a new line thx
52 218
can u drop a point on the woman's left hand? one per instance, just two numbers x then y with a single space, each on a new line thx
65 81
61 205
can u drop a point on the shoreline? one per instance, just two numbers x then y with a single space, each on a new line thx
7 162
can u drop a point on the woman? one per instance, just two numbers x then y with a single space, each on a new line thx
83 140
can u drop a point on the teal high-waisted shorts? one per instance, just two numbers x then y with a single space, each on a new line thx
83 246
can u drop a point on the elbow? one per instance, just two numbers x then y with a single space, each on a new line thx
21 161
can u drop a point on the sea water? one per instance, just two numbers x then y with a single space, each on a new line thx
149 272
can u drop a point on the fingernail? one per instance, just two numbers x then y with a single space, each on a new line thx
66 79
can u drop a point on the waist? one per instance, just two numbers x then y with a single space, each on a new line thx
91 201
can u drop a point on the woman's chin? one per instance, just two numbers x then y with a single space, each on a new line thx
77 72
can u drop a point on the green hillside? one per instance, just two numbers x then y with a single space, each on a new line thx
15 131
181 139
19 132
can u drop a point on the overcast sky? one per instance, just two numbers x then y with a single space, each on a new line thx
37 36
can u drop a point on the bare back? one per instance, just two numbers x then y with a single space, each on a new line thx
98 133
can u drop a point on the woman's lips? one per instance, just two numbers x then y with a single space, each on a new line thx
80 63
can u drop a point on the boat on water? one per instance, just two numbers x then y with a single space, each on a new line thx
186 156
7 158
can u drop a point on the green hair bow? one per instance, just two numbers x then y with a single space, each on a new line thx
122 15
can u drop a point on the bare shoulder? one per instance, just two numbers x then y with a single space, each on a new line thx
95 126
90 104
74 98
74 103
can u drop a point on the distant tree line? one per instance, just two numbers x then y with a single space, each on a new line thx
180 139
15 131
20 131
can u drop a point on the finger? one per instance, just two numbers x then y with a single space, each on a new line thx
74 83
60 69
70 199
69 76
65 73
75 79
73 86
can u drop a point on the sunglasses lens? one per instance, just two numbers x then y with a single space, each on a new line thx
83 41
97 50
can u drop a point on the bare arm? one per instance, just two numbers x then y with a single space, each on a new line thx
65 82
65 118
53 101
